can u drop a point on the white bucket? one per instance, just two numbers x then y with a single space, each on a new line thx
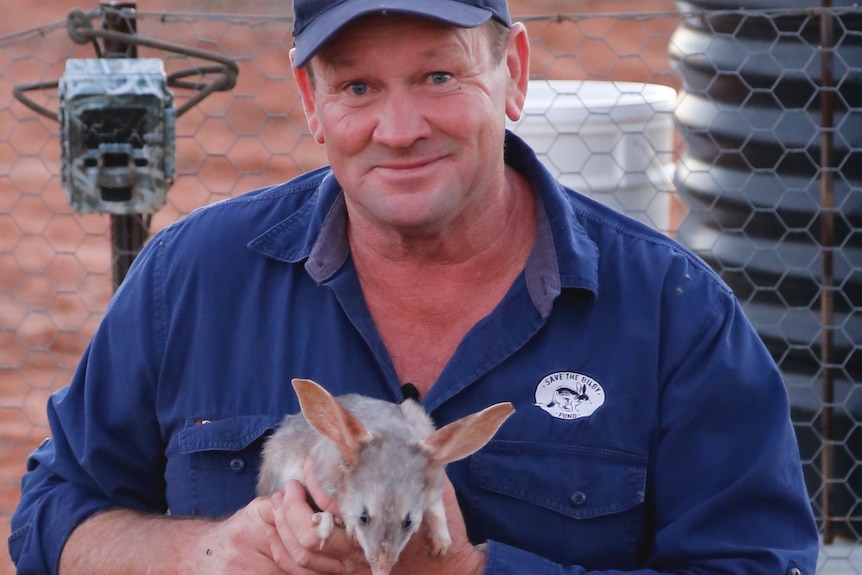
609 140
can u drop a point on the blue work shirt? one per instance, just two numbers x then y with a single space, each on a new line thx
651 430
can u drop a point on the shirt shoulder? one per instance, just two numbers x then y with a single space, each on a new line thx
256 209
630 250
224 230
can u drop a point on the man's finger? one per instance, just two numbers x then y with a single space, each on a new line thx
297 534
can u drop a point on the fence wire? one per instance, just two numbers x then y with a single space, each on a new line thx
737 131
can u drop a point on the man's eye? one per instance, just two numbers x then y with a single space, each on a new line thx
358 88
439 77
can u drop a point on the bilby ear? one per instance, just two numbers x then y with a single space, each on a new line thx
331 419
466 435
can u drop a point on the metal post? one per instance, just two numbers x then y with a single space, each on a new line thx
827 226
129 232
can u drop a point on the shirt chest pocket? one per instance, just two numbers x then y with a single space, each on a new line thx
577 505
222 458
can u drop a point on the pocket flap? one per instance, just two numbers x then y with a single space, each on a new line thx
579 482
229 434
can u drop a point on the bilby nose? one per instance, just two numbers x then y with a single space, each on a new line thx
381 566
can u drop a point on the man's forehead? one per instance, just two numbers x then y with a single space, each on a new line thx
443 38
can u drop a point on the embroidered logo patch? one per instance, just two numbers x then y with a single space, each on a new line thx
568 395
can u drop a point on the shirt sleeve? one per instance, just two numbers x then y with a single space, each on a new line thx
728 488
105 451
725 492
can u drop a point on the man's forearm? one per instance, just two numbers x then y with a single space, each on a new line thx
123 541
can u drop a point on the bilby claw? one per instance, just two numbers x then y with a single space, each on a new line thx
325 522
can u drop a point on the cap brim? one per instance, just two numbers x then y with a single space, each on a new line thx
321 30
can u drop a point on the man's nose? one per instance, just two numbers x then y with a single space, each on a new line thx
401 119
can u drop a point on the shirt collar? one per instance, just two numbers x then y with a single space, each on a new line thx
563 256
315 231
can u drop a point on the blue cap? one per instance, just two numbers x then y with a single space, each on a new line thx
317 21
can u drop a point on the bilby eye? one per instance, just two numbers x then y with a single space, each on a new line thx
407 522
363 517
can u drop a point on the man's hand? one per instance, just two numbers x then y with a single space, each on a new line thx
247 542
298 544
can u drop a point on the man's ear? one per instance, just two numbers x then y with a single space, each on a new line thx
518 62
306 91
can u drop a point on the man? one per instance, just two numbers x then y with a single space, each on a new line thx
435 250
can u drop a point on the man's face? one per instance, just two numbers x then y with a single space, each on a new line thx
412 114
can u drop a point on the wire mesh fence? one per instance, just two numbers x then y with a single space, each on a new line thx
735 130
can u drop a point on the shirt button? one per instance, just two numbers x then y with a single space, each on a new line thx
794 571
578 498
237 464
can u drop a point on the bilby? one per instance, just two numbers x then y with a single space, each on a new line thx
384 464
